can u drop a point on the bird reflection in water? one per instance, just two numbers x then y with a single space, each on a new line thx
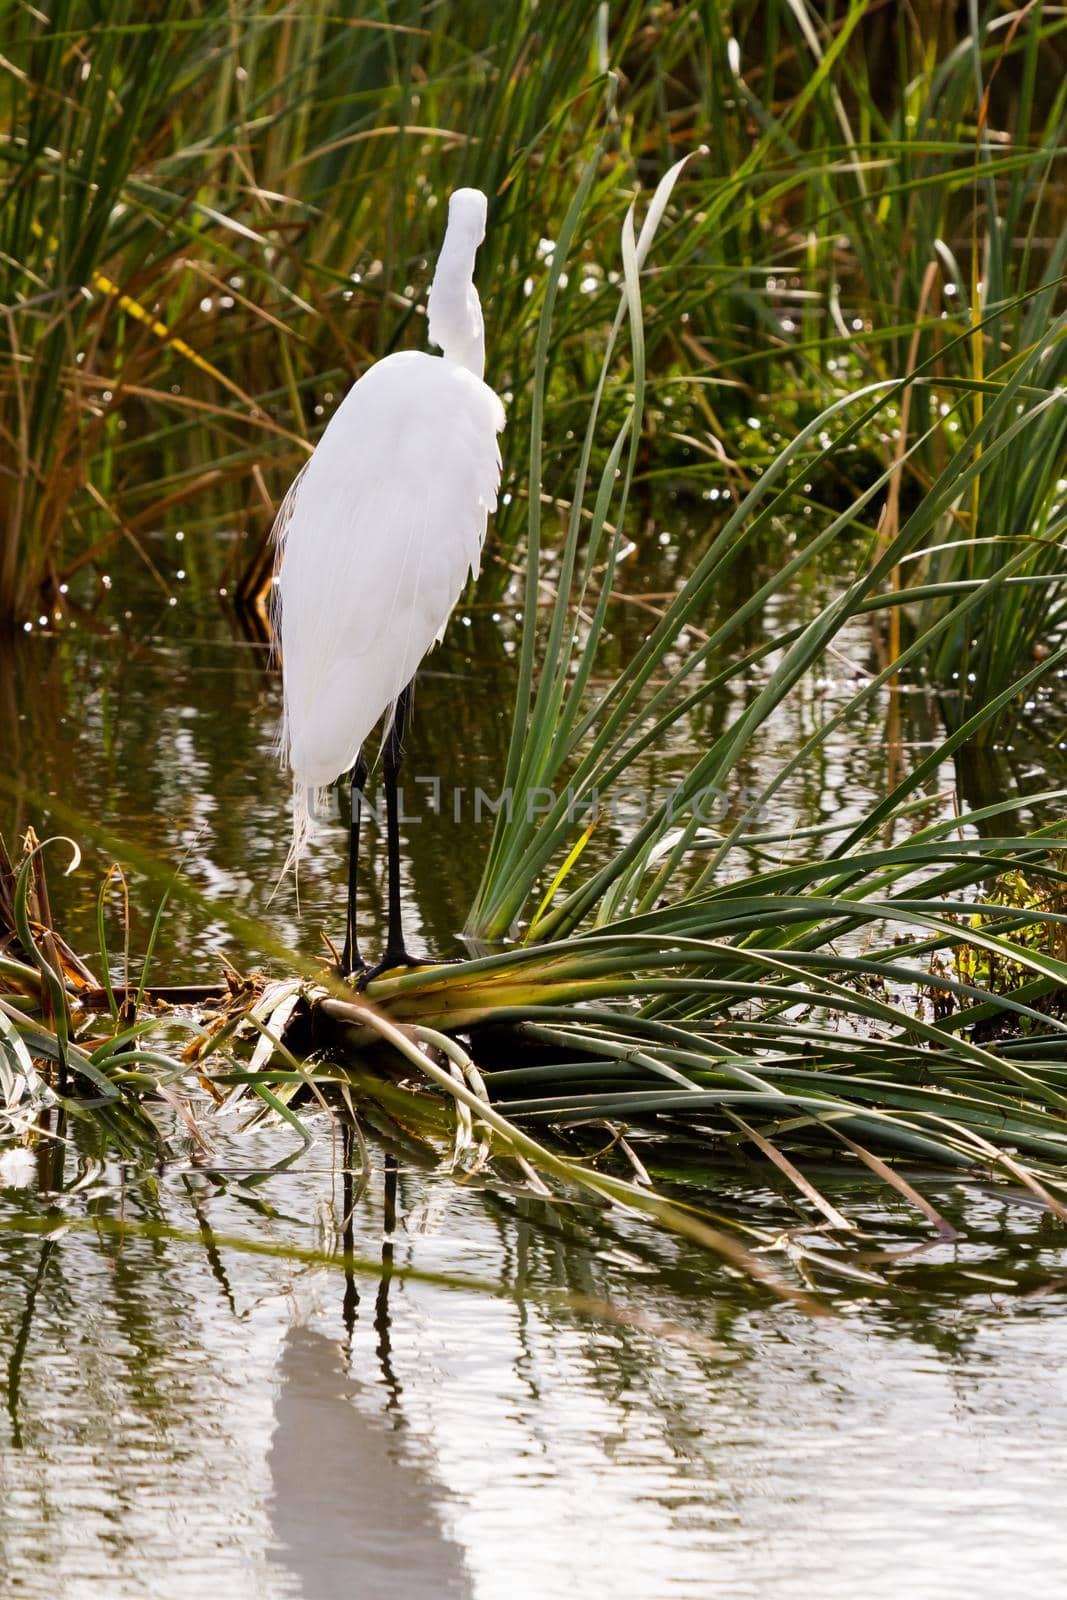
348 1493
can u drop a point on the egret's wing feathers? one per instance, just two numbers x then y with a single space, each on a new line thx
376 540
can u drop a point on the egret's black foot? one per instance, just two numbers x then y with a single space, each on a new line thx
350 965
390 962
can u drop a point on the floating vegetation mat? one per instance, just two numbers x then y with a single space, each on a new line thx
530 1075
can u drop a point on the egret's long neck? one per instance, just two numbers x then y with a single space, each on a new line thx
455 312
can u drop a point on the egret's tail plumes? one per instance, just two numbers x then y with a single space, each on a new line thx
379 533
301 829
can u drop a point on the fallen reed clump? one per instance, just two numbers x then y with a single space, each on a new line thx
581 1066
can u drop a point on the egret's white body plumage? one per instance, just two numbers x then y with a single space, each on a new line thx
379 532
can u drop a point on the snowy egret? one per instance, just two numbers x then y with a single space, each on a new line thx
375 540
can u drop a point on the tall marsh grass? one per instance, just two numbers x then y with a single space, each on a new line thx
212 219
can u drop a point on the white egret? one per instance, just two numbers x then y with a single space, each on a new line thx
375 541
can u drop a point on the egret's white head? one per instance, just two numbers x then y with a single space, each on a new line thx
467 211
455 312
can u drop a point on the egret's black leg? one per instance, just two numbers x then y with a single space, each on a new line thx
395 953
351 960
